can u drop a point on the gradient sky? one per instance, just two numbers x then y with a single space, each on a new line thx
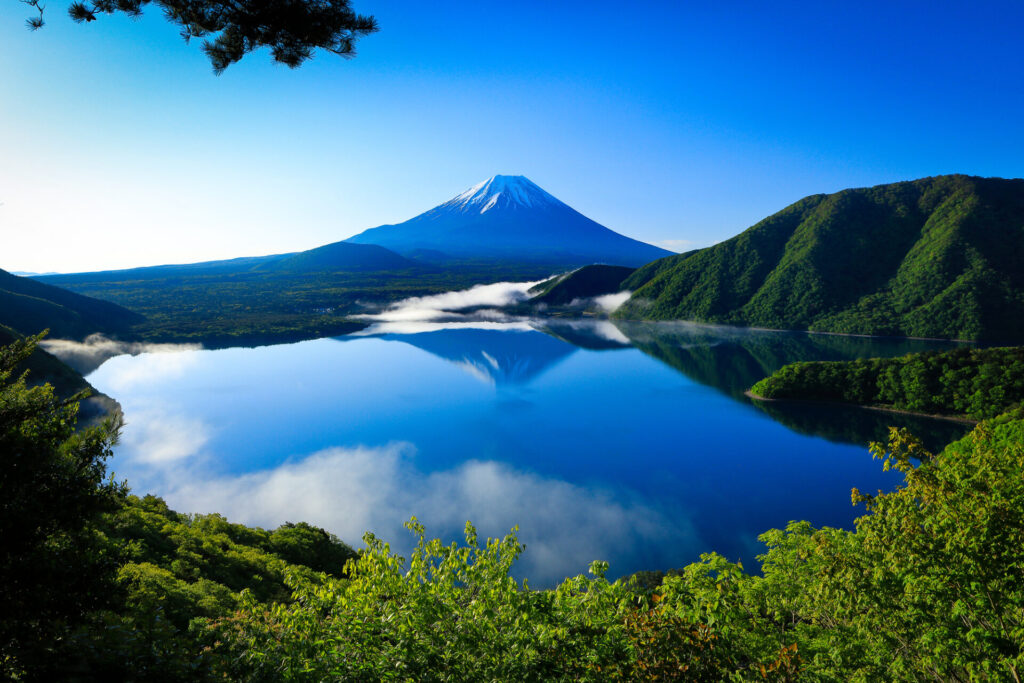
677 125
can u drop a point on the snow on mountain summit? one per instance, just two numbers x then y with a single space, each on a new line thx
503 191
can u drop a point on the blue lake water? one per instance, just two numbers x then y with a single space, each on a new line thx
631 443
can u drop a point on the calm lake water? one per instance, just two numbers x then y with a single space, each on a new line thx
631 443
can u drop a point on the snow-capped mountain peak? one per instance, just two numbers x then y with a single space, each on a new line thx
505 191
508 219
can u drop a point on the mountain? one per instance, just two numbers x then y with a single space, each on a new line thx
28 307
936 257
340 256
226 267
582 283
510 218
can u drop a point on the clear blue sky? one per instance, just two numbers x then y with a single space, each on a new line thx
671 124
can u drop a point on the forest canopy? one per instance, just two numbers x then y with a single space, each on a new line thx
976 383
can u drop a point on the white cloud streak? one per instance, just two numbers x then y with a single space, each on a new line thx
447 305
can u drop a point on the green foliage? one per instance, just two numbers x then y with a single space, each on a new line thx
979 383
178 571
44 368
927 588
453 613
53 485
937 257
292 29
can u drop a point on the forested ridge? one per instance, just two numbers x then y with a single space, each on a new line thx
97 584
936 257
976 383
28 306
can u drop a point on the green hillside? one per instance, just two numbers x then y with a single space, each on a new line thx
29 307
937 257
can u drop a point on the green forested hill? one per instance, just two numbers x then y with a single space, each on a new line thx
29 307
937 257
978 383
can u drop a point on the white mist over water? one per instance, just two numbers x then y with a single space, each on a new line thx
449 304
86 356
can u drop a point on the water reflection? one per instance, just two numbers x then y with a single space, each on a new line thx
631 443
728 359
733 359
497 356
853 424
564 525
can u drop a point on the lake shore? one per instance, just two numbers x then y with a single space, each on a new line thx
878 408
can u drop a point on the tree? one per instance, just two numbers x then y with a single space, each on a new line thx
292 29
53 486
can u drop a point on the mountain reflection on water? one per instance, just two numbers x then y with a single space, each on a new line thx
627 442
728 359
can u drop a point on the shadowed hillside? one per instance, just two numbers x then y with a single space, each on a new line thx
28 307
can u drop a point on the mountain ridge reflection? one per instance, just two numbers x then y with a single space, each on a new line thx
728 359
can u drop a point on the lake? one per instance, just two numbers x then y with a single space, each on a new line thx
626 442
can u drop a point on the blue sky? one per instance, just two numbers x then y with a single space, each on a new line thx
675 124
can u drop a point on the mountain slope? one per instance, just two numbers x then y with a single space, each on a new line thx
511 218
340 256
162 272
585 282
937 257
28 307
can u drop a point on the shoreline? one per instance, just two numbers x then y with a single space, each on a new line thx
975 342
879 408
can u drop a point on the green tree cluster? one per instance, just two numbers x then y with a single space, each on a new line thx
54 569
452 612
176 572
978 383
